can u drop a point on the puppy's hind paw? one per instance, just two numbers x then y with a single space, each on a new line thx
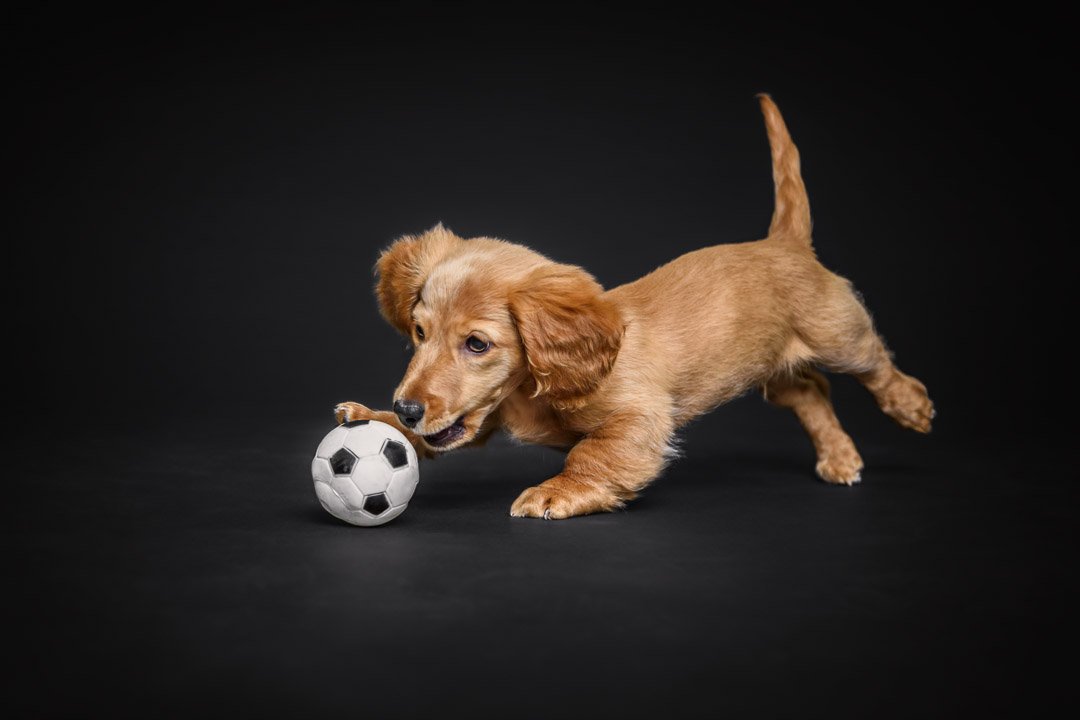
906 401
841 468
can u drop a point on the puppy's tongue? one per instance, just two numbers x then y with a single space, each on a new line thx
447 435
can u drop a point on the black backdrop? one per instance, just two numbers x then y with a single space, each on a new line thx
197 200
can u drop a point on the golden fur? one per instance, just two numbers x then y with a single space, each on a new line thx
610 375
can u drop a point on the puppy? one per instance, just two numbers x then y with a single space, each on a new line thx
505 338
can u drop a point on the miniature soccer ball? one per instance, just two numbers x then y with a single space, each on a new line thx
365 472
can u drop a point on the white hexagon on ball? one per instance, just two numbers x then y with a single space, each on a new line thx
365 472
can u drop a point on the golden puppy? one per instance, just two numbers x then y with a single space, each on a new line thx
506 338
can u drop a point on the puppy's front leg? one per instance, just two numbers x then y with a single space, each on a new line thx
603 471
350 411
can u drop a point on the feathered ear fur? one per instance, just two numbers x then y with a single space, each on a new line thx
570 332
402 270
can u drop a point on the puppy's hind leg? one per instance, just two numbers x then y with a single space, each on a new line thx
900 396
842 338
807 393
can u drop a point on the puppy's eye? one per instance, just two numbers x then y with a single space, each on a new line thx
419 332
476 345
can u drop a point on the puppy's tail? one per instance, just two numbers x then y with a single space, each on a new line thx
791 216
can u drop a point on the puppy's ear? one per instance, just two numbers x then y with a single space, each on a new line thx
571 334
402 270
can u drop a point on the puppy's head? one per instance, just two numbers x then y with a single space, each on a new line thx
485 318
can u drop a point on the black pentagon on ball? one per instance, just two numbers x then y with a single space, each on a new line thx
376 504
342 461
355 423
395 453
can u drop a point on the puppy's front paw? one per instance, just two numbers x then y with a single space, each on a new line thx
349 411
558 499
542 502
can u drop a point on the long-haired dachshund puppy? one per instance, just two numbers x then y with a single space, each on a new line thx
506 338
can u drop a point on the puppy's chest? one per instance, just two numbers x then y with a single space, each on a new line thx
536 422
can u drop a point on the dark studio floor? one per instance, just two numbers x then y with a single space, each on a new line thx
190 572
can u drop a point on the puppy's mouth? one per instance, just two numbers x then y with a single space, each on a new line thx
448 435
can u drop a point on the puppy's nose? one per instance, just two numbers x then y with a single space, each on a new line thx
409 412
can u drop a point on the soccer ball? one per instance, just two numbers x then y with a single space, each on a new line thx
365 472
